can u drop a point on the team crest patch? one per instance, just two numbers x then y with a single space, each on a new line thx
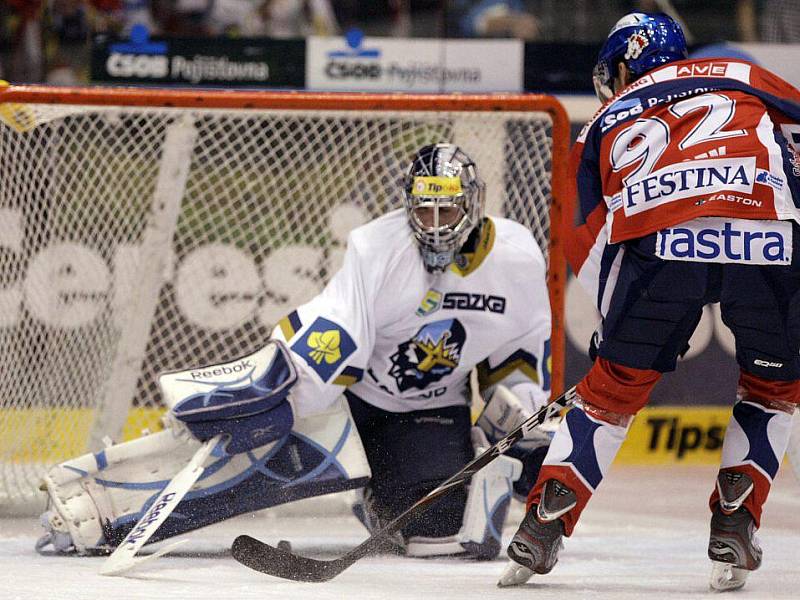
430 303
324 346
430 355
637 42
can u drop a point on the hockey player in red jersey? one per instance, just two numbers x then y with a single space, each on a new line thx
688 187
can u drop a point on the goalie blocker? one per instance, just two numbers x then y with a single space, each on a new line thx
97 498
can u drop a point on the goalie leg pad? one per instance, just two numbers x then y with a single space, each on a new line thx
411 454
96 499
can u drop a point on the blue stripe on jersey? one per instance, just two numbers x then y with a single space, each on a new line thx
349 376
606 261
547 365
294 320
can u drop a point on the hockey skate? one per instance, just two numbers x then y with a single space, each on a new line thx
732 546
535 546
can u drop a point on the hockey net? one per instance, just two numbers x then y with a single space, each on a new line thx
142 231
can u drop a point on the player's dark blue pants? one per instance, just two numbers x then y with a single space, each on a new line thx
657 304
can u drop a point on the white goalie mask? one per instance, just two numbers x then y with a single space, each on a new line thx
444 199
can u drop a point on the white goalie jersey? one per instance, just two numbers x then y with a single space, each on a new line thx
403 339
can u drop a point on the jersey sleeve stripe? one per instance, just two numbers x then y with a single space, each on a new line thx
290 325
349 376
520 360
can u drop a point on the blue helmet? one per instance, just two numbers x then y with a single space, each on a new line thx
641 41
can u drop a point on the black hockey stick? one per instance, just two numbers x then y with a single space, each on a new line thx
281 563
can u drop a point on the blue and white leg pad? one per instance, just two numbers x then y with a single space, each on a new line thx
96 499
488 499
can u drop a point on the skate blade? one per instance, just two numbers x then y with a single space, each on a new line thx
725 577
514 574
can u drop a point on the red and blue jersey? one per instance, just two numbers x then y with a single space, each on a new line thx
695 138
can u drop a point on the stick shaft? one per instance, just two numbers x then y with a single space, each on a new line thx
280 563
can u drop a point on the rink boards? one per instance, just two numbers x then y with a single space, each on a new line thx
659 435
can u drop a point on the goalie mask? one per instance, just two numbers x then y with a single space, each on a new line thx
444 201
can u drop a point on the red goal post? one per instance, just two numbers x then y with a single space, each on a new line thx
142 230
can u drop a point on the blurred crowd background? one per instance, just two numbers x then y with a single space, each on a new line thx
50 40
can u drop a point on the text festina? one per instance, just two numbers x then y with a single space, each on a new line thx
685 180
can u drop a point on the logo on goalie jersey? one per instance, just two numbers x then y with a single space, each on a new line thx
430 355
430 303
324 346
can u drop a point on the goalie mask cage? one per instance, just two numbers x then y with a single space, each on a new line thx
149 230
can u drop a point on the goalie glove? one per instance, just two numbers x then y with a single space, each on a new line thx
504 412
245 399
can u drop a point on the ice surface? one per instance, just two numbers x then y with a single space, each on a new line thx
643 536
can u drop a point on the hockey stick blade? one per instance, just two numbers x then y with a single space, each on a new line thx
124 558
274 561
277 562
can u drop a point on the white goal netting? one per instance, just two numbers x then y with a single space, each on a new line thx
135 240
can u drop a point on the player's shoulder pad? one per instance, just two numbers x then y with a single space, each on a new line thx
516 242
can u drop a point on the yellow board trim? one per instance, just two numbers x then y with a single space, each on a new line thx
48 435
671 435
474 259
685 436
664 435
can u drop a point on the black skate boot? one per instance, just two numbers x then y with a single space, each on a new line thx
732 546
535 546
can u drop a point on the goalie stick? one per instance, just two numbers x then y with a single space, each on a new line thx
123 559
281 563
